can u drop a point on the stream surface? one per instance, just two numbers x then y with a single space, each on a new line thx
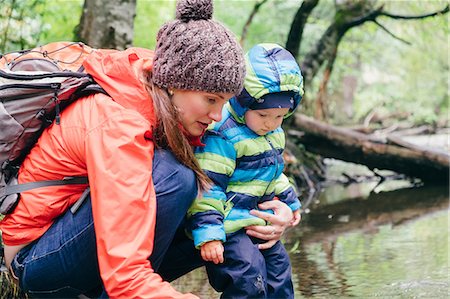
365 241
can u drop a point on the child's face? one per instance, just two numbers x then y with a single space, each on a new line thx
265 120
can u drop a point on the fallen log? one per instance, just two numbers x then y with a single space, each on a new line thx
428 164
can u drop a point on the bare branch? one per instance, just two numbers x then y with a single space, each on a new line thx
433 14
372 15
315 58
250 19
391 34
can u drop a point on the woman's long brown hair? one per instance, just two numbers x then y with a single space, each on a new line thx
167 134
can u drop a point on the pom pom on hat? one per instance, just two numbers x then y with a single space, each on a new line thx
194 52
194 10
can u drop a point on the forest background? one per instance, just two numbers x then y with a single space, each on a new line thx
377 69
391 70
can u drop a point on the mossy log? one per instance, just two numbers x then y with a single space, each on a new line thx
391 153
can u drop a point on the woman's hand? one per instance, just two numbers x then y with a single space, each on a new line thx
297 217
282 219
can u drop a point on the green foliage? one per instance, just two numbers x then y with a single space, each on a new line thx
8 290
396 76
61 17
27 23
390 75
20 23
270 25
151 15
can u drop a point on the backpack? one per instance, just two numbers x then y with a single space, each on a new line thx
35 85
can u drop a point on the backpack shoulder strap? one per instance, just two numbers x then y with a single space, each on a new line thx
89 89
13 189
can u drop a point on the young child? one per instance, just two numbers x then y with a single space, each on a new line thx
243 158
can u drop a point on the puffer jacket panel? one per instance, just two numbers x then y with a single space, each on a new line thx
246 169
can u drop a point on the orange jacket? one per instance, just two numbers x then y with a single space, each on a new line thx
106 140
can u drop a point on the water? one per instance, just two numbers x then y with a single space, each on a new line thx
366 241
409 260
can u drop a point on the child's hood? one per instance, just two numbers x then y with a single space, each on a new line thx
270 69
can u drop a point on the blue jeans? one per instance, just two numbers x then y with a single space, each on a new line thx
63 262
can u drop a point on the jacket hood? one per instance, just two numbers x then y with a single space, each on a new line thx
270 69
121 75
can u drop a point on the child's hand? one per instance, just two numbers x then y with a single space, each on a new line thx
296 218
212 252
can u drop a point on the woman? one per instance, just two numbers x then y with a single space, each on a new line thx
135 147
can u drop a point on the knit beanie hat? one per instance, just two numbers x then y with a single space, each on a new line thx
193 52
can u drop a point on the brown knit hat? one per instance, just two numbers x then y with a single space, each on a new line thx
194 52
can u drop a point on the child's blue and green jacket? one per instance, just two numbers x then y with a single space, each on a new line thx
246 168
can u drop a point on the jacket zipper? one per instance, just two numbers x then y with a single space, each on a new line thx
32 86
276 163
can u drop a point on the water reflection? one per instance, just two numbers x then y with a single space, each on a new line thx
390 244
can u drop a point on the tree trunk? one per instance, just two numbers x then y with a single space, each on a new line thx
293 42
107 24
348 14
430 165
321 111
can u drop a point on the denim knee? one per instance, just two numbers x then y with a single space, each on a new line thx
187 181
172 178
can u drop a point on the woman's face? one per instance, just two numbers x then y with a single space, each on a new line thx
198 109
